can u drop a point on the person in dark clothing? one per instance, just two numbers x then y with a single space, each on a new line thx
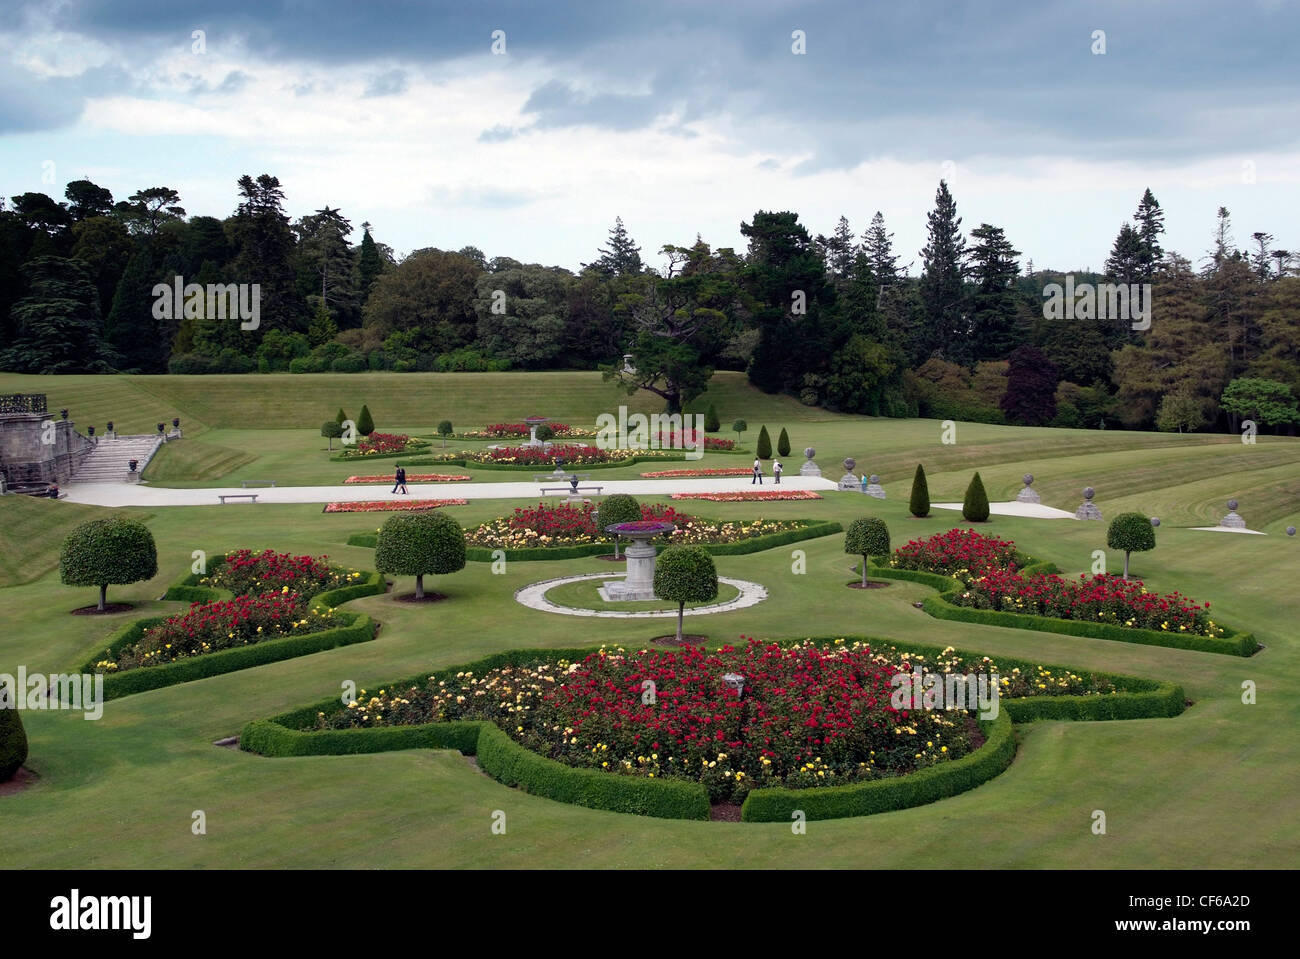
399 479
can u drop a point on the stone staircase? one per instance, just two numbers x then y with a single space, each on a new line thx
109 461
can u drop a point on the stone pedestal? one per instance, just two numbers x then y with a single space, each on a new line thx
1232 520
810 468
640 581
1028 495
874 488
1087 509
849 481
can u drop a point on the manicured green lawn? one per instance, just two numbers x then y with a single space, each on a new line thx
1213 787
584 595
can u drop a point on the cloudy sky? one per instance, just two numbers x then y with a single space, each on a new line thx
681 117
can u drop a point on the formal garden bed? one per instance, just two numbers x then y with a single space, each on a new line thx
746 496
388 506
565 531
983 579
382 446
498 431
814 728
687 473
249 608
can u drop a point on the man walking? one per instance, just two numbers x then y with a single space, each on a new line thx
758 473
399 480
776 472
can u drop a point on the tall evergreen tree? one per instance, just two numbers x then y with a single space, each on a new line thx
878 245
622 257
838 251
87 199
323 245
947 329
131 328
993 267
264 245
1126 261
369 264
1151 224
57 323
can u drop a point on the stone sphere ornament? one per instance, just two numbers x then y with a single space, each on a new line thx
1089 492
809 452
1290 531
1028 479
849 463
1232 504
874 479
1155 520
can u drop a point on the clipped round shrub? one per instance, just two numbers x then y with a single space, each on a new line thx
711 422
106 552
739 427
13 738
618 508
975 505
764 444
545 432
352 363
865 537
1131 532
685 574
331 431
413 544
919 506
783 443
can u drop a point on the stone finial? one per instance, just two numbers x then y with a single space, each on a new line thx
1028 479
1232 504
1155 520
1088 509
1290 531
1089 492
849 463
809 452
1026 494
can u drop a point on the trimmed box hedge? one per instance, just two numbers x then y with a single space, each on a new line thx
514 765
755 544
777 804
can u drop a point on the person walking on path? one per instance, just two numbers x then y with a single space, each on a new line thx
399 480
864 481
758 473
776 472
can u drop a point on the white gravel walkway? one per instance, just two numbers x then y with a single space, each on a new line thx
129 494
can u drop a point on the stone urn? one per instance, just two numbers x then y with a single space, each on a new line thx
1232 520
640 552
874 488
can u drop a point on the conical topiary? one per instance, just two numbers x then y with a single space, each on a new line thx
920 504
365 422
783 443
13 738
975 507
711 422
764 444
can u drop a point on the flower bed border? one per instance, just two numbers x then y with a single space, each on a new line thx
353 628
679 456
755 544
1235 643
515 765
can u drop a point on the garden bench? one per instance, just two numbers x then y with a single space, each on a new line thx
225 496
572 489
552 477
245 483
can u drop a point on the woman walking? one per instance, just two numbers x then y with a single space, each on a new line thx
776 472
758 473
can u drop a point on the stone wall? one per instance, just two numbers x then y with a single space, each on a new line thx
25 458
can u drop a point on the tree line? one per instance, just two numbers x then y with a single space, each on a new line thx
834 320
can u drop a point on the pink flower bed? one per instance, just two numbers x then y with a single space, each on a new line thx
381 506
750 495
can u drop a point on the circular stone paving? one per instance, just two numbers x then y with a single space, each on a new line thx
534 597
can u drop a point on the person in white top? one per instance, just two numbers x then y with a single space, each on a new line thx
758 473
776 472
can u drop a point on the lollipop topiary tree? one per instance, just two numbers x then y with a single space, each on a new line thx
415 544
106 552
331 430
1131 532
685 574
866 537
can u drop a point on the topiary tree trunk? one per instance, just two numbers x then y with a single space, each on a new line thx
419 586
681 614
